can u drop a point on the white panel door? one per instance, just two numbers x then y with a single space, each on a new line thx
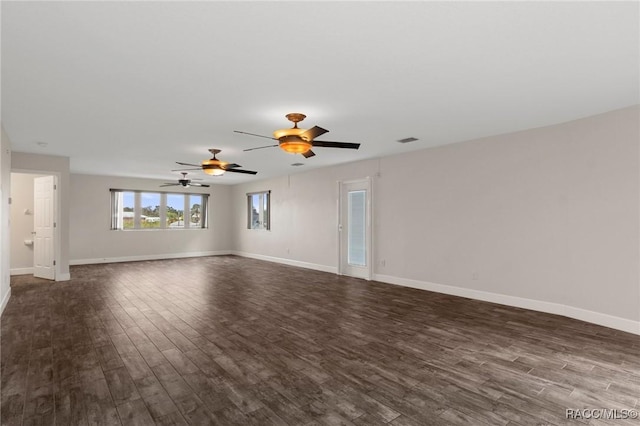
355 229
44 227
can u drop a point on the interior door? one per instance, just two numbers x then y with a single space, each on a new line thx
44 227
355 228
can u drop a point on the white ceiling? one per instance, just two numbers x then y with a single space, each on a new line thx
128 88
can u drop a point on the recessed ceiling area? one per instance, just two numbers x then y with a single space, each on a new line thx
129 88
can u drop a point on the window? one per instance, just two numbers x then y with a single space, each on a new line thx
259 210
157 210
195 211
175 211
150 212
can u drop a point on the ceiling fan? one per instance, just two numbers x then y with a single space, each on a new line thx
215 167
185 182
300 141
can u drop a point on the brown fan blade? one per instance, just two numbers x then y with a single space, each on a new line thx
260 147
249 172
188 164
204 185
327 144
313 133
230 166
171 184
308 154
253 134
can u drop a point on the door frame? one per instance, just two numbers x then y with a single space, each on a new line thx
57 245
369 228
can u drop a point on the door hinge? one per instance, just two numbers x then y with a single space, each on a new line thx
54 224
54 263
55 186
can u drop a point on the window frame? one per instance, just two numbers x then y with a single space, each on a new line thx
267 194
117 223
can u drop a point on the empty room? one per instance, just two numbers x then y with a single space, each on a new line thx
320 213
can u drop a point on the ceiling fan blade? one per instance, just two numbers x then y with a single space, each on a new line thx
260 147
253 134
170 184
327 144
249 172
230 166
313 133
308 154
180 170
188 164
204 185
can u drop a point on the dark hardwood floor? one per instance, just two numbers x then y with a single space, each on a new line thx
233 341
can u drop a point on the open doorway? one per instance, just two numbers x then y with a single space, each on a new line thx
33 225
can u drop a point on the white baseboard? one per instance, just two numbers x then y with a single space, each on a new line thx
290 262
63 276
147 257
21 271
5 300
605 320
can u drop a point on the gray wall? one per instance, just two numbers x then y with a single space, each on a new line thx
92 240
5 219
546 218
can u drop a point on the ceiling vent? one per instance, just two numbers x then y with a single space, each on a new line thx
407 140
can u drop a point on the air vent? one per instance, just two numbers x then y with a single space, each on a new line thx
297 164
407 140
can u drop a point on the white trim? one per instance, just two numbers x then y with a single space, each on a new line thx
147 257
22 271
307 265
598 318
5 300
63 277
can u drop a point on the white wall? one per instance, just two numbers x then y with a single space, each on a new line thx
58 166
21 222
304 216
546 218
92 240
5 218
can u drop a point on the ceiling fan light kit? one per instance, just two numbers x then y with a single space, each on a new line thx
184 181
215 167
294 144
300 141
291 140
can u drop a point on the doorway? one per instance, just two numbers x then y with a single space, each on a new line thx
354 228
33 239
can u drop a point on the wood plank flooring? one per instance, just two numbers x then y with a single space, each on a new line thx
232 341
